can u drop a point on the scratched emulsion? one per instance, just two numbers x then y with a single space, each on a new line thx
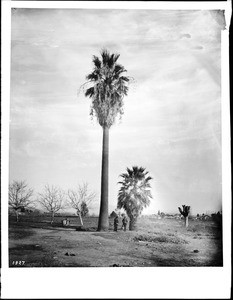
219 16
172 120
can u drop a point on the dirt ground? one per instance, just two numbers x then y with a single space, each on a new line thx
164 242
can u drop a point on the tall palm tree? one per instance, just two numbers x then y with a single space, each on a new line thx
134 194
107 90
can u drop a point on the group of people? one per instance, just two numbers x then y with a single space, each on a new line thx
124 223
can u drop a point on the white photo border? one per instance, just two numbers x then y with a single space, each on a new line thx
178 282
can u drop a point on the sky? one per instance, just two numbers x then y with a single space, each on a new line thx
172 114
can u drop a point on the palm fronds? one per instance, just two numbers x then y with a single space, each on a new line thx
135 191
108 88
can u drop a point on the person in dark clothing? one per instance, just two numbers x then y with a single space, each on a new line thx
116 221
124 223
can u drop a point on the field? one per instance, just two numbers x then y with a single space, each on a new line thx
34 242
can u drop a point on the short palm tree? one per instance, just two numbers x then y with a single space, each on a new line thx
135 193
107 90
185 213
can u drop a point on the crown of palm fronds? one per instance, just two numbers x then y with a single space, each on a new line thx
135 191
108 88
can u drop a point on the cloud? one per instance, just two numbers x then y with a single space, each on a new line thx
185 35
198 48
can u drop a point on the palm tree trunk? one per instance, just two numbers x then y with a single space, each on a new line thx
186 221
103 223
132 223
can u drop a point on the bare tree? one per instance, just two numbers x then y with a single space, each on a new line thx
80 199
19 197
52 199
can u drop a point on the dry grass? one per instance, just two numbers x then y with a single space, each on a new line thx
160 239
164 242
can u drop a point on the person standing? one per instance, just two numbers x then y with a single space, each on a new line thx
124 223
116 221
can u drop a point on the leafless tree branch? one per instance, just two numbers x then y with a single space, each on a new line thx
81 195
20 196
52 199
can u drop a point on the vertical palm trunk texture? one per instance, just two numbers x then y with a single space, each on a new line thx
103 224
133 224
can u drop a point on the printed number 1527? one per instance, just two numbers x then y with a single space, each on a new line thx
18 262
